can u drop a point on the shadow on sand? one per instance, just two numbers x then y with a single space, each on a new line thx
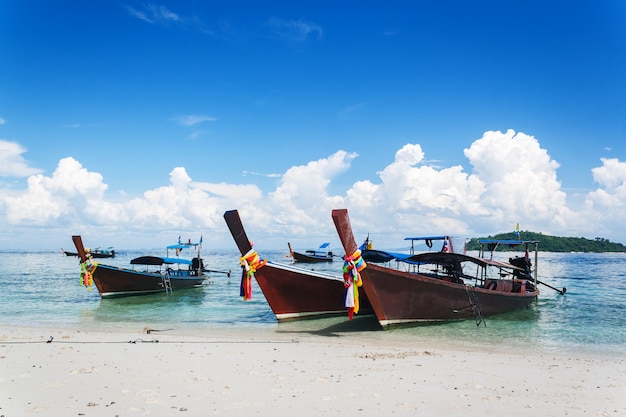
331 327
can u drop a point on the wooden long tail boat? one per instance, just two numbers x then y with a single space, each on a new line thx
311 256
95 253
148 275
291 292
437 286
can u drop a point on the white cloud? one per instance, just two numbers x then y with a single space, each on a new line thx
153 13
2 121
11 162
49 198
294 30
611 176
512 180
415 198
520 180
605 207
259 174
160 15
301 200
190 120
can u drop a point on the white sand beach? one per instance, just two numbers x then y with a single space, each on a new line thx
235 372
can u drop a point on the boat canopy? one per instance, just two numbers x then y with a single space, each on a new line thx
449 258
158 260
441 258
373 255
426 238
324 245
183 245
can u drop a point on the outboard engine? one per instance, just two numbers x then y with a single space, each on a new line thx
197 263
525 264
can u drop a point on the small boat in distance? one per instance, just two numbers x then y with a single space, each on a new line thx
148 275
438 286
312 256
95 253
292 293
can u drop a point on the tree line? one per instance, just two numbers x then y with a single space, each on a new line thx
549 243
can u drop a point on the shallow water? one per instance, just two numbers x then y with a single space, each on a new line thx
42 289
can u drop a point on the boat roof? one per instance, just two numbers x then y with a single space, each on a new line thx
442 258
441 237
158 260
183 245
373 255
324 245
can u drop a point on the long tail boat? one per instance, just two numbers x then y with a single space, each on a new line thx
95 253
438 286
148 274
312 255
292 293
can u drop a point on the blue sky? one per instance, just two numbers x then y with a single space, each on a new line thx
134 122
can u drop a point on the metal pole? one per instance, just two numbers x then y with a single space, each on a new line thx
536 265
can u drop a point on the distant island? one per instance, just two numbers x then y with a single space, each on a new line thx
555 243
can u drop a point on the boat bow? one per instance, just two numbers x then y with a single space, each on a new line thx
344 230
236 229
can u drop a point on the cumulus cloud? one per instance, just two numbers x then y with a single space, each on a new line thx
520 180
301 198
605 206
49 198
12 164
413 197
512 180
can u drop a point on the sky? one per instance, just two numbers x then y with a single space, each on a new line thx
132 123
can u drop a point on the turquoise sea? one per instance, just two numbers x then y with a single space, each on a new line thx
41 289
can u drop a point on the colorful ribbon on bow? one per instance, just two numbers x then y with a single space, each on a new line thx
86 272
250 263
352 267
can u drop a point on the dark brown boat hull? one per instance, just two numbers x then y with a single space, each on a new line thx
402 298
93 254
113 281
295 293
303 258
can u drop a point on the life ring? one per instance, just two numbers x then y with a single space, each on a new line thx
495 285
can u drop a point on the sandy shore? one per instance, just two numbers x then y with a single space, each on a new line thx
65 372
